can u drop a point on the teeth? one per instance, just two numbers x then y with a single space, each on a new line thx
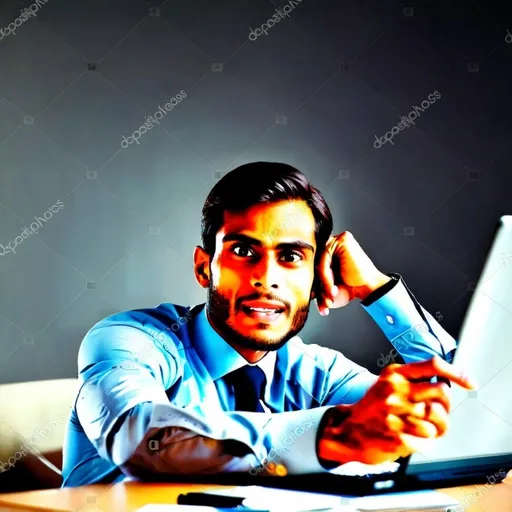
262 310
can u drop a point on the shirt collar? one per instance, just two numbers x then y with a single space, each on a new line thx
218 356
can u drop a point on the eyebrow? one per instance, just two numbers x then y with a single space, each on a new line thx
237 237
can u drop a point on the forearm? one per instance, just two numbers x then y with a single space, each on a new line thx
182 449
413 332
178 451
178 441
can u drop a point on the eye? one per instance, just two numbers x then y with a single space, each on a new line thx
243 249
293 254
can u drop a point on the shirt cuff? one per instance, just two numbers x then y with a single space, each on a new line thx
381 291
297 442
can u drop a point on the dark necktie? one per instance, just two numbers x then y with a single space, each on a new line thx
248 386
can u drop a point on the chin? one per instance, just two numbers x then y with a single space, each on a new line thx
263 331
262 345
254 339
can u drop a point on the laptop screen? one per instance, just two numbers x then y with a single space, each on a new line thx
481 420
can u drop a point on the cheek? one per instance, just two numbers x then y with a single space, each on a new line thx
229 280
300 287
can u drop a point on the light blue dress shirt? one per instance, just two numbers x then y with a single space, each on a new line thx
153 398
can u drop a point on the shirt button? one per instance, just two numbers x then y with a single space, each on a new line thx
390 319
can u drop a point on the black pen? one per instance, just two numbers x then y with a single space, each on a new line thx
209 500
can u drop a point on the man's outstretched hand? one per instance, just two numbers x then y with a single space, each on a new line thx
395 416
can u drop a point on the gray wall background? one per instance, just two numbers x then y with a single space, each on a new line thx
314 92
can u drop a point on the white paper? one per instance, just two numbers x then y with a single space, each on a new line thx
263 498
405 501
277 500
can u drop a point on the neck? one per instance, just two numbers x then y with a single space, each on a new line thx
252 356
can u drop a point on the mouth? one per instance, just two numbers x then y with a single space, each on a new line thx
266 312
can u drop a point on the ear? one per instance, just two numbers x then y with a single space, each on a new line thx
201 266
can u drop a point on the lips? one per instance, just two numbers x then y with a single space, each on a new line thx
263 306
263 311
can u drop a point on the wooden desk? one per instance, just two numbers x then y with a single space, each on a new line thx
128 497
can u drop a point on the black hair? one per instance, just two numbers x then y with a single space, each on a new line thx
262 182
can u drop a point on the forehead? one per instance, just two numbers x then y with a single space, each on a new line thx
272 223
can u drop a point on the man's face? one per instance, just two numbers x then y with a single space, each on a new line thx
262 274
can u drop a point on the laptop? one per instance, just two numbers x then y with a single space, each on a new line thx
477 447
478 444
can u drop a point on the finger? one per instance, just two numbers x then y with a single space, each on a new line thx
439 418
317 294
435 367
419 428
429 421
415 443
321 305
325 272
433 420
424 391
434 424
318 297
343 297
398 405
394 423
418 410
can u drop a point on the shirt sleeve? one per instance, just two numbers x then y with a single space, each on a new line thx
125 412
412 330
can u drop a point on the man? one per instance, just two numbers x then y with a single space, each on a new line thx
228 386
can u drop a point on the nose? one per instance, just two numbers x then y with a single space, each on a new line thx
266 274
